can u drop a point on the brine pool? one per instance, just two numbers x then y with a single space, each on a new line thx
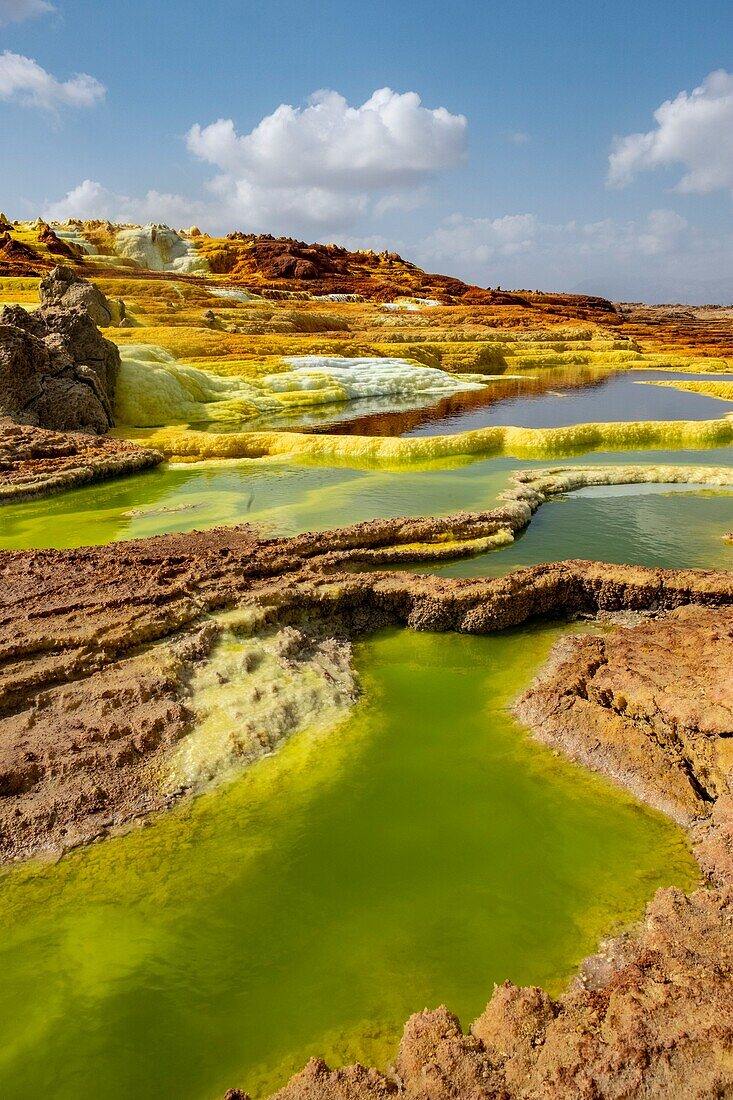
639 524
546 398
421 851
418 853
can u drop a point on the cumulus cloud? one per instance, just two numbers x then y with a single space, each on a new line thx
328 162
24 81
91 200
319 169
17 11
694 130
659 257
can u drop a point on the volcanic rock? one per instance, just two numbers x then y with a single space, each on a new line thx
63 287
56 369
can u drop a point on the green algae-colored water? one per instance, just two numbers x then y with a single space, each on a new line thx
670 527
287 498
420 852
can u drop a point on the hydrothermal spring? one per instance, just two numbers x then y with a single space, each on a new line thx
412 854
418 852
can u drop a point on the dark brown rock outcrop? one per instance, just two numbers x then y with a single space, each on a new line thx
63 287
56 369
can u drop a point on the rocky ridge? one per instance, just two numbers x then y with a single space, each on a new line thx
57 385
36 462
279 267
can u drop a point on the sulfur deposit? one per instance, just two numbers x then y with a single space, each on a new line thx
155 389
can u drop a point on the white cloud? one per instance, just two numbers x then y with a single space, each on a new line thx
91 200
328 163
24 81
17 11
659 257
517 137
317 170
694 130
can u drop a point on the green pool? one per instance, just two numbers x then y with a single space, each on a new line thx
422 851
286 498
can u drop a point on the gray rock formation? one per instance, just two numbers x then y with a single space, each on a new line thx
56 369
63 287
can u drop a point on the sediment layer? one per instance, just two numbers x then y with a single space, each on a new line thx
35 462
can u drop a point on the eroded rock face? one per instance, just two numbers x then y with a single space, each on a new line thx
614 704
56 369
63 287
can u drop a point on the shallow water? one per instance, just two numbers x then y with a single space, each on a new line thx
605 398
551 397
422 851
288 498
669 527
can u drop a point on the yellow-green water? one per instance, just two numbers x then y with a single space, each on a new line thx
286 498
419 853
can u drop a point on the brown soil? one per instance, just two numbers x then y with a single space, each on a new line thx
37 462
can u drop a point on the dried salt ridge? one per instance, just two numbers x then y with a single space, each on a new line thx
35 462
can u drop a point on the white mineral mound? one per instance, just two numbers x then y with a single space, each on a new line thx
154 389
159 248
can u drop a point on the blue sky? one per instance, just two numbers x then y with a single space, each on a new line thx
517 195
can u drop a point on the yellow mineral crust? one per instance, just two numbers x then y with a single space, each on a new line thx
153 388
181 444
252 693
722 390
